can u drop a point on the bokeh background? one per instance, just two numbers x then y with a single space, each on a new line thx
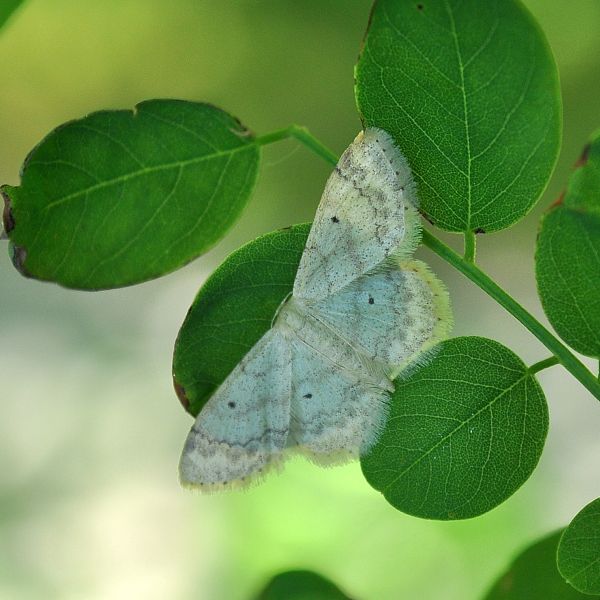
90 429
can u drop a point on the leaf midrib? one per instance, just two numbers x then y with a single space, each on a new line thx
584 569
461 68
451 433
140 172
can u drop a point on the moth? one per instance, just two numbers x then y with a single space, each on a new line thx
361 312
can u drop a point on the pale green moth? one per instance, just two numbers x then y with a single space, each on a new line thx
361 312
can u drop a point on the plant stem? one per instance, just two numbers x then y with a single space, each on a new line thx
470 246
303 135
490 287
543 364
467 267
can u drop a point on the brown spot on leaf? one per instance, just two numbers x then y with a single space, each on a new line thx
18 256
582 160
364 38
7 214
180 391
558 202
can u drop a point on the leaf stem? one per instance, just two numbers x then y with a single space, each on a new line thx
303 135
543 364
470 246
566 358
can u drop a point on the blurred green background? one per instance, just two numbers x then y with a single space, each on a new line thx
90 430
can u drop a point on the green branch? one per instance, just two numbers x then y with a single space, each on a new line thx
468 268
303 135
543 364
566 358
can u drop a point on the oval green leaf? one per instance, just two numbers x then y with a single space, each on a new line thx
301 585
533 576
568 258
120 197
579 550
463 434
232 311
470 92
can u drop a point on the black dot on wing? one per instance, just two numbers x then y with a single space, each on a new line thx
334 219
231 404
309 395
371 300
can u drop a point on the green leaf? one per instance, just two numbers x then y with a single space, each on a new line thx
232 311
533 576
568 258
470 92
120 197
7 8
301 585
464 432
579 550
